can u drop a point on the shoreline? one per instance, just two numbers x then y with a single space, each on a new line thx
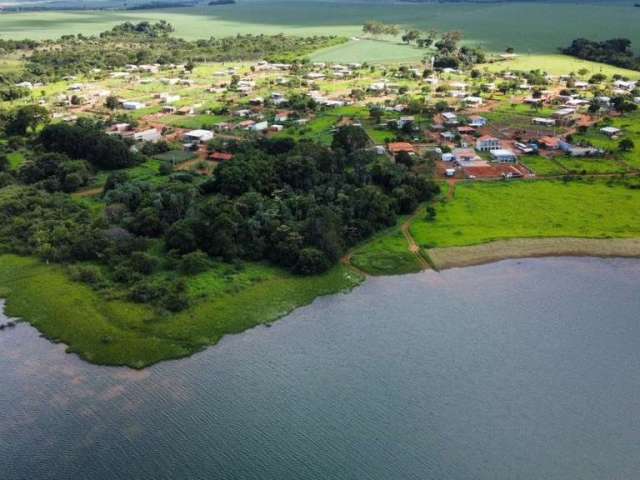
457 257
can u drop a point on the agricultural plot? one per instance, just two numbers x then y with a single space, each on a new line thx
371 51
494 26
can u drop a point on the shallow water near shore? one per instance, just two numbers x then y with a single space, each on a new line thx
519 369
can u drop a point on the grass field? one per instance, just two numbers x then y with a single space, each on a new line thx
556 64
495 26
122 333
373 51
387 253
483 212
542 165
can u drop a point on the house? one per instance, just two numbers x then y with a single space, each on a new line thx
550 143
150 135
167 99
486 143
133 105
185 111
448 136
281 117
546 122
503 155
276 128
466 130
450 118
314 76
471 100
610 131
198 136
526 148
564 113
465 155
398 147
477 121
402 122
168 109
579 151
220 156
246 124
259 127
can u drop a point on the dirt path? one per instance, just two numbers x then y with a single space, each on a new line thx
91 192
346 261
413 246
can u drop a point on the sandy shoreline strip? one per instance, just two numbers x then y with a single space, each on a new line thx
451 257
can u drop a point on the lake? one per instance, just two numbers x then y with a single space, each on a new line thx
523 369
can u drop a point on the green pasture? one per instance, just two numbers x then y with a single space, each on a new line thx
482 212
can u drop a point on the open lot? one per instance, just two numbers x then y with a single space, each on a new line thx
484 212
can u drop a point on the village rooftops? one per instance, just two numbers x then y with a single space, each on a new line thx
397 147
610 131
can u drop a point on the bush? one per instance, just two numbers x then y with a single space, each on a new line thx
86 274
311 261
193 263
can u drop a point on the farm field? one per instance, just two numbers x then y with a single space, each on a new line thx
373 51
116 332
484 212
493 26
556 64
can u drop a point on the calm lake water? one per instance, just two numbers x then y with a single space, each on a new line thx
516 370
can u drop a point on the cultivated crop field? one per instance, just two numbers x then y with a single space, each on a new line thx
484 212
493 26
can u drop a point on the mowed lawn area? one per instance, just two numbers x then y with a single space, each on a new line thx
483 212
495 26
116 332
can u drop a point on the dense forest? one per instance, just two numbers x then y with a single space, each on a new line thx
299 205
616 51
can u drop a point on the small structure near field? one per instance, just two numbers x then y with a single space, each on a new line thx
503 155
398 147
198 136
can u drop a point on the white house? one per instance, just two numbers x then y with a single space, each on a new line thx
128 105
547 122
260 126
471 100
486 143
450 118
198 136
150 135
503 156
610 131
477 121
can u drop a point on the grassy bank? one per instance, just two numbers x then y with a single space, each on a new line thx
115 332
387 253
484 212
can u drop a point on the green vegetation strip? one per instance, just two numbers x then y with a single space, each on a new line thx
114 332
